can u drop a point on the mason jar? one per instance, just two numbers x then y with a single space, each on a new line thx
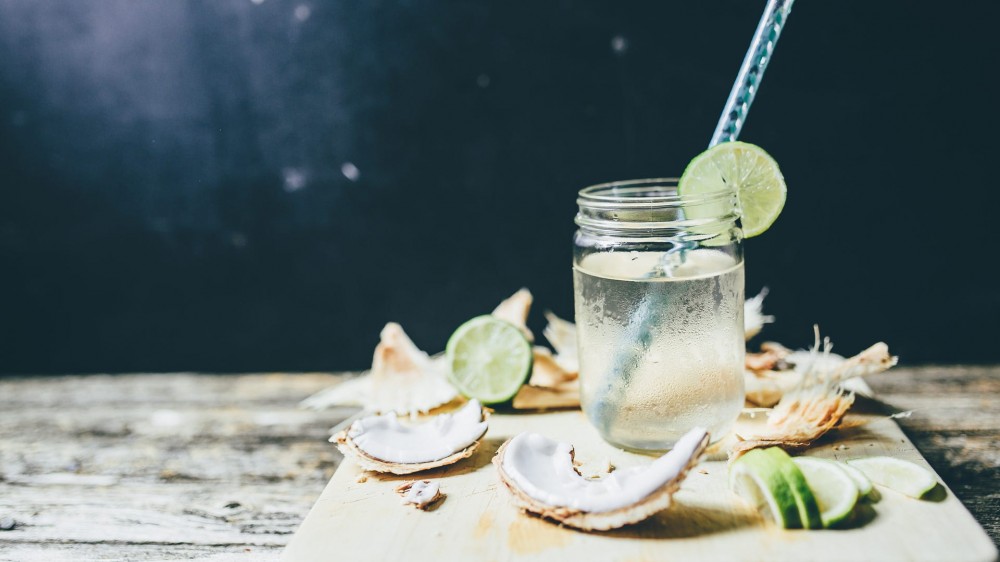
658 285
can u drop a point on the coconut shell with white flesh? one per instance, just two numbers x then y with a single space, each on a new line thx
562 335
384 444
403 379
542 479
753 315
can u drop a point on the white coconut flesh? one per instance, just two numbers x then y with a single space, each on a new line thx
803 361
403 379
542 469
753 315
387 439
562 335
420 493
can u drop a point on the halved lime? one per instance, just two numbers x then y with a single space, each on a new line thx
747 170
805 501
490 359
756 478
834 489
896 474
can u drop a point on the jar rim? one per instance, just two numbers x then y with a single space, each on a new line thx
645 193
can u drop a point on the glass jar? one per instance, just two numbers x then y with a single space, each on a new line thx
658 285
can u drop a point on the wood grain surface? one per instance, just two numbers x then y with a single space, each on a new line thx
189 466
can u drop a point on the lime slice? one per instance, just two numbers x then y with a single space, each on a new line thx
744 168
805 501
756 478
835 491
860 480
896 474
490 359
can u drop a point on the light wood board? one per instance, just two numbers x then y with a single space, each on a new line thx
362 519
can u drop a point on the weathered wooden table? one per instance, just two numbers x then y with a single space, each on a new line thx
188 466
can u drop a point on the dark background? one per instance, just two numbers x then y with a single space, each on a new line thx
260 185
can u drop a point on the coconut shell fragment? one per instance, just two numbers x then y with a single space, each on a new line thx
403 379
542 480
421 494
551 386
384 444
515 309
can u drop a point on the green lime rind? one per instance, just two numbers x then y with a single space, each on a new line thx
896 474
756 477
745 169
805 501
489 359
835 491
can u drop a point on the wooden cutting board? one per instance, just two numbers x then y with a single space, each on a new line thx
359 517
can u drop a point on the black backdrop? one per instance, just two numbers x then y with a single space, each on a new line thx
254 185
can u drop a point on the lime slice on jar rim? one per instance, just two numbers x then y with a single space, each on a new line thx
745 169
489 359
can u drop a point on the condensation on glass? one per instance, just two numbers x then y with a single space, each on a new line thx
658 280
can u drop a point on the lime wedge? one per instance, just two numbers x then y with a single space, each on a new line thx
834 489
805 501
756 478
490 359
896 474
744 168
860 480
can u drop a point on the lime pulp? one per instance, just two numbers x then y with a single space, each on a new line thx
746 170
490 359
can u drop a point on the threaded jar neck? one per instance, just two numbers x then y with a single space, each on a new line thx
654 208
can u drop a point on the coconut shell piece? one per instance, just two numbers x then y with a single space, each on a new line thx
542 398
550 385
348 444
403 379
562 335
515 310
547 372
686 454
782 372
368 462
753 315
421 494
817 401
